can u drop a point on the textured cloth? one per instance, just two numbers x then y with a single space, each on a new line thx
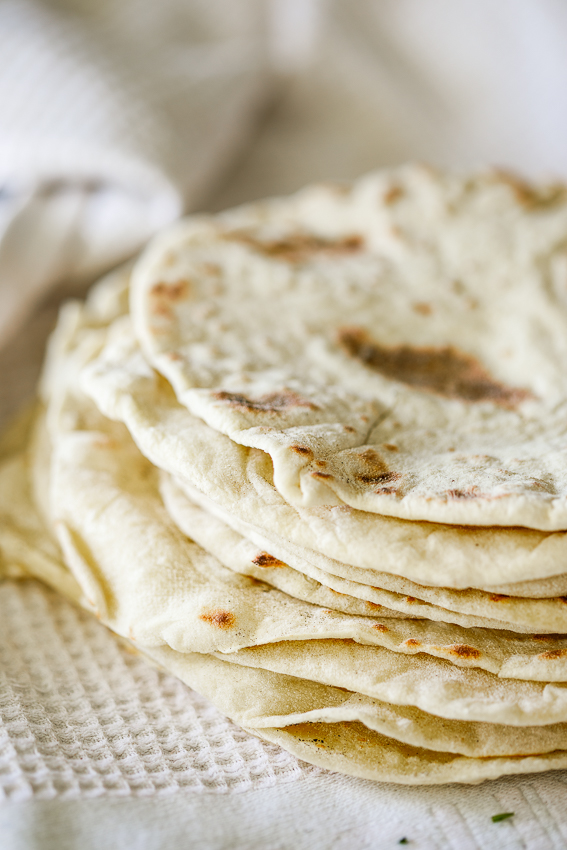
81 717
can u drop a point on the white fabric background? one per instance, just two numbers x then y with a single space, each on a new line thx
96 748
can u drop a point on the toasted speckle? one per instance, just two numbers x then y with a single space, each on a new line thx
219 618
526 194
553 653
175 291
380 627
445 371
391 447
412 642
392 194
422 308
299 247
263 559
277 402
302 450
462 650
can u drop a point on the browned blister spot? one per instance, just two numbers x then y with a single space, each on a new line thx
391 447
380 627
299 247
321 475
553 653
277 402
263 559
321 463
462 650
528 195
381 478
423 308
375 470
412 642
411 599
372 605
445 370
471 492
349 429
219 618
302 450
159 309
392 194
175 291
499 597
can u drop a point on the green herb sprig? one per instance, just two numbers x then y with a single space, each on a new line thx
502 816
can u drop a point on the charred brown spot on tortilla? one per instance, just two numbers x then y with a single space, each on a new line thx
391 447
373 605
322 475
462 650
445 371
299 247
471 492
412 642
499 597
553 653
383 478
387 491
380 627
563 599
219 618
528 195
302 450
349 429
423 308
175 291
393 194
321 463
411 599
263 559
277 402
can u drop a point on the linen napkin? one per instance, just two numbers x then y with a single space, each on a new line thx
114 118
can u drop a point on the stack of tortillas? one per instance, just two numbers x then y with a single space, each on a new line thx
310 455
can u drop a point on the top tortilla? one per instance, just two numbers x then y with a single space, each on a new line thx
399 346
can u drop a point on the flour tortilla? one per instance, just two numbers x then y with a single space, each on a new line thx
352 749
257 698
242 547
150 584
240 481
286 699
508 655
400 347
